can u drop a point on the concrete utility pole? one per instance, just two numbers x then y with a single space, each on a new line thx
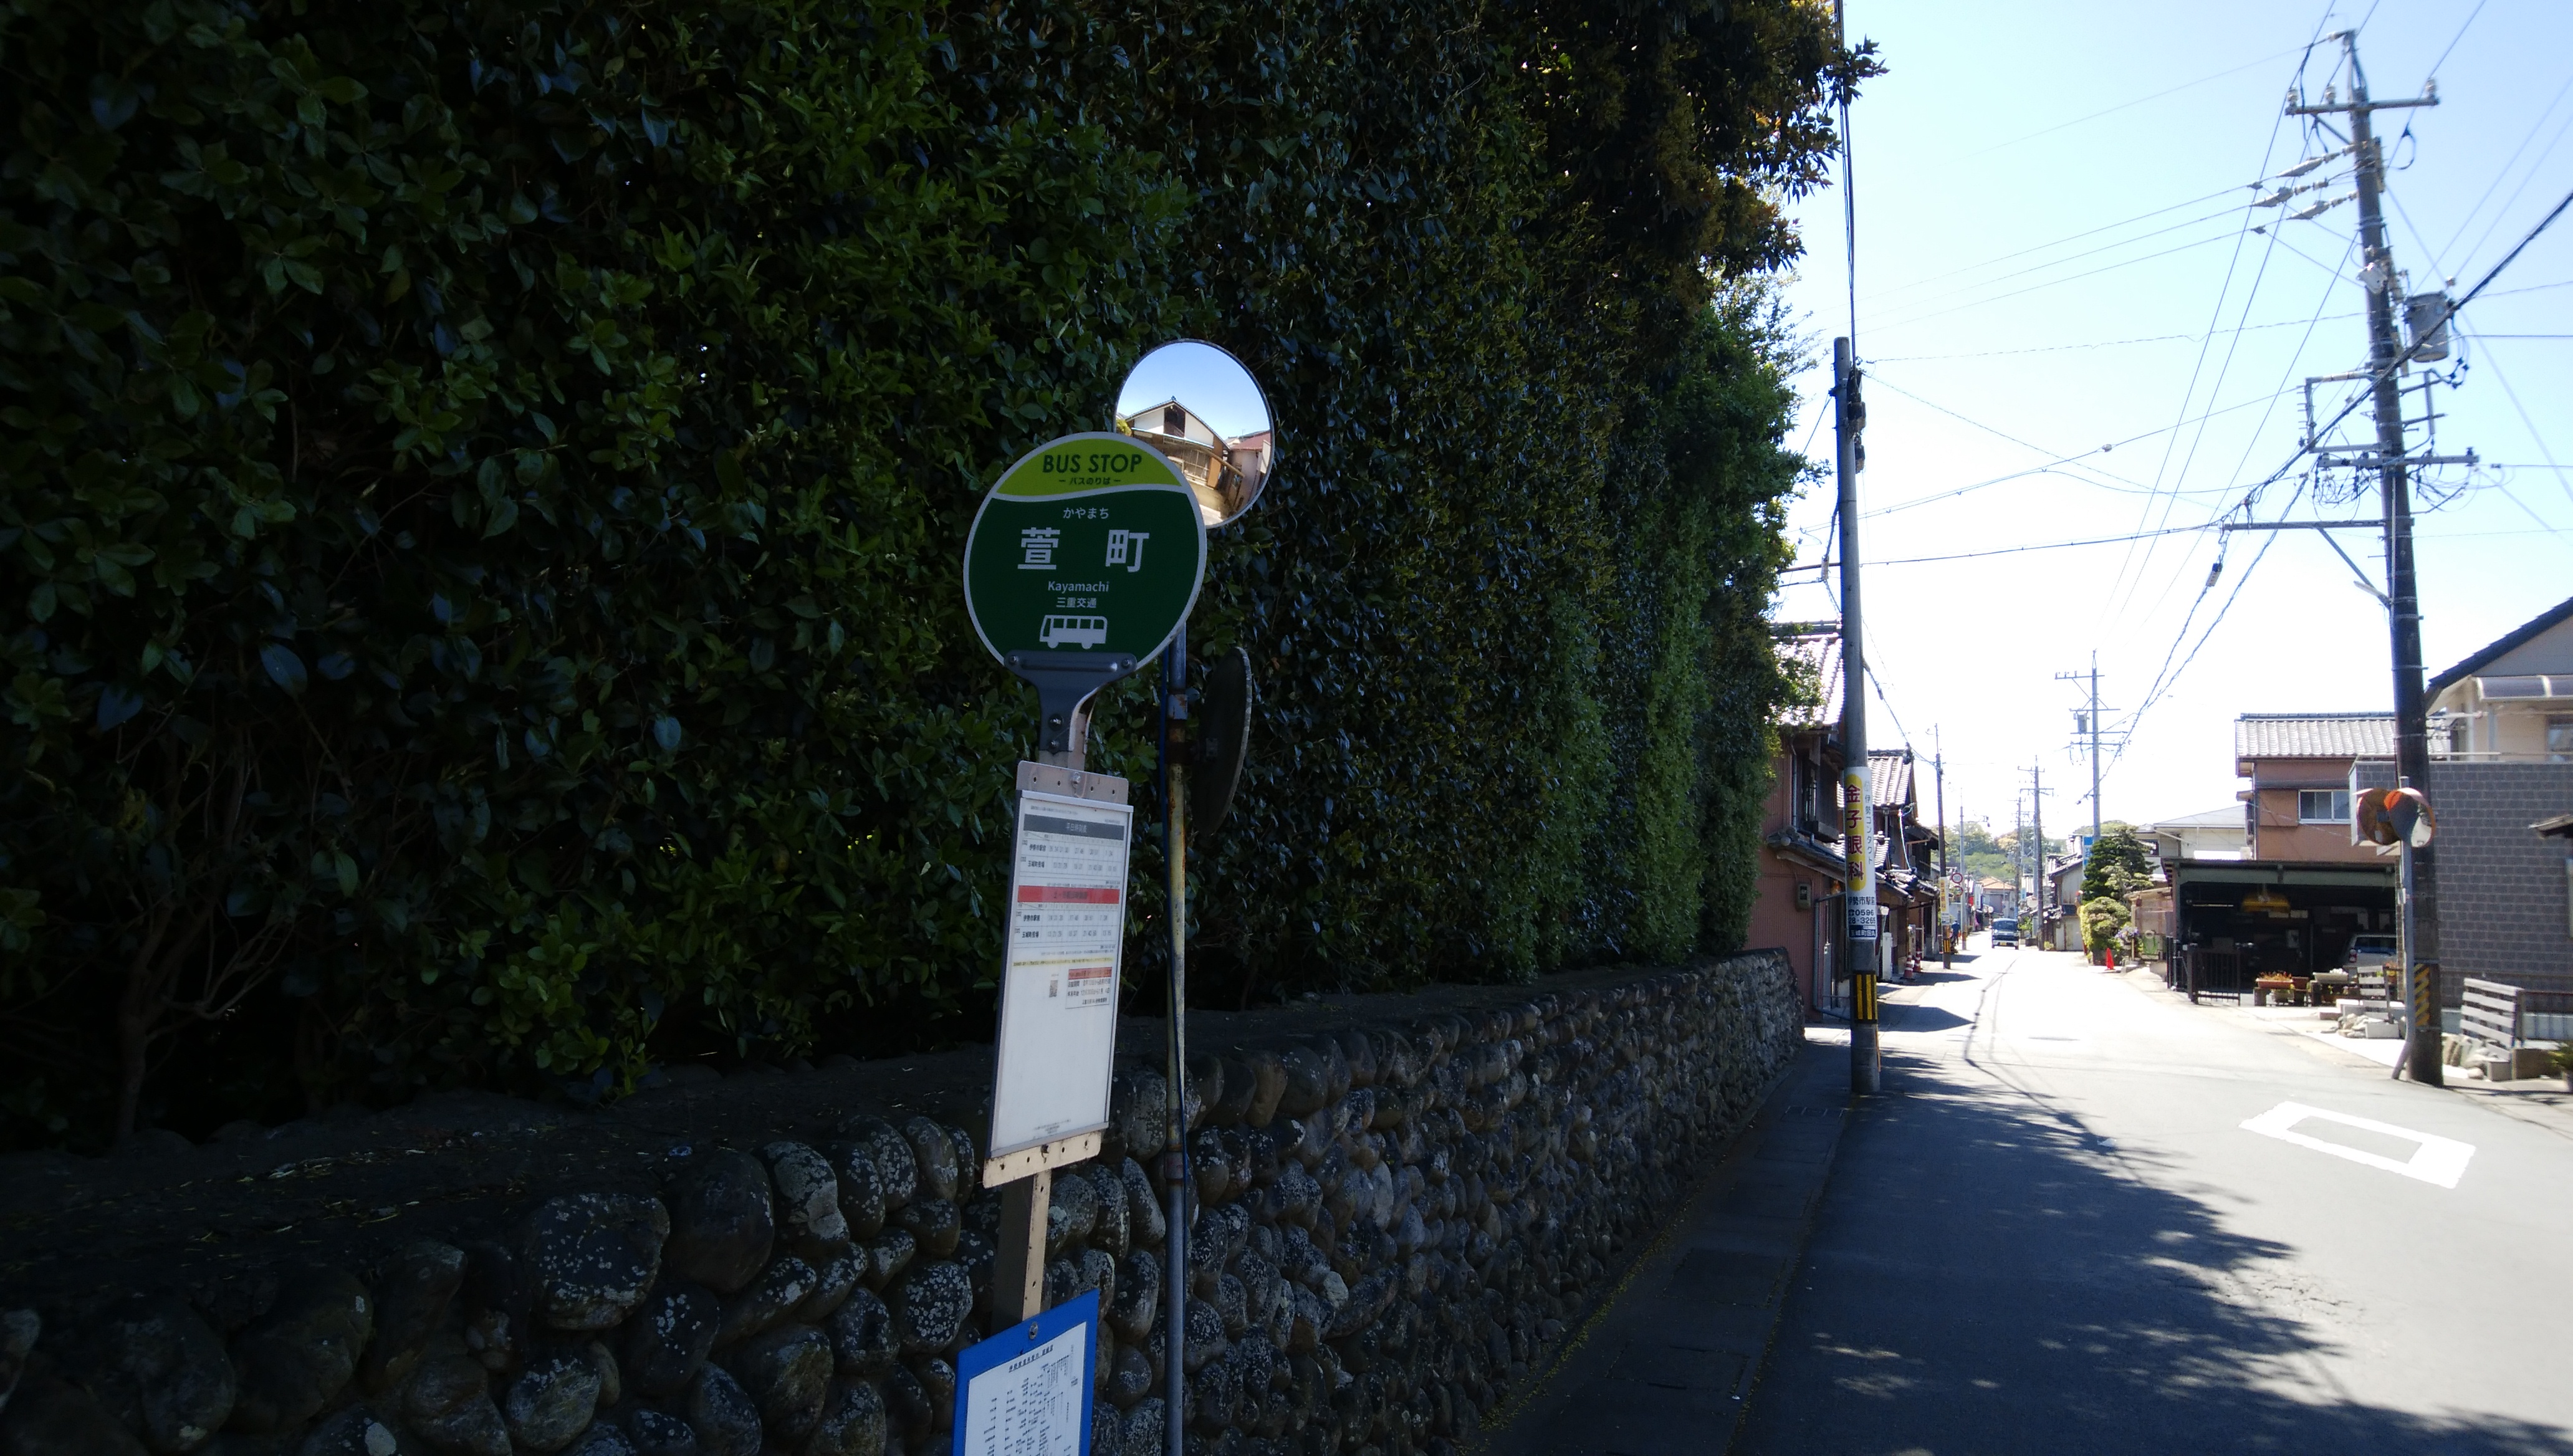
2089 722
1939 775
2037 812
2411 729
1858 811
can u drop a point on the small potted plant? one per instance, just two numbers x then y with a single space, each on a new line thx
2562 1061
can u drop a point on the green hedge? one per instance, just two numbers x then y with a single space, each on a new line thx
484 486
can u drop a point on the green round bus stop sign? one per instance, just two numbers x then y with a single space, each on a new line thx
1082 562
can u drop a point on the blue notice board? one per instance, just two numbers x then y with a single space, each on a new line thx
1027 1391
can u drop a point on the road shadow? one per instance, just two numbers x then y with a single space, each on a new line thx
1907 1018
1987 1276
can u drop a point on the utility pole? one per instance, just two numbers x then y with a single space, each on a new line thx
1858 812
2019 856
2411 734
2037 812
1858 809
1939 775
2087 722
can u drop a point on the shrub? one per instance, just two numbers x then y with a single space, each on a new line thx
483 483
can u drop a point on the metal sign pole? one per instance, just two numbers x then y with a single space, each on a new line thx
1175 1159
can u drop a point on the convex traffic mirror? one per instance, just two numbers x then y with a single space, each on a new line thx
1196 405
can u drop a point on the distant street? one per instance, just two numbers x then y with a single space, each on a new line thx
2053 1234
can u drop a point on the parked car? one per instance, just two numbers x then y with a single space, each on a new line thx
2004 932
2372 953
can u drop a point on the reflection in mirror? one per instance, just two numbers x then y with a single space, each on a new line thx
1196 405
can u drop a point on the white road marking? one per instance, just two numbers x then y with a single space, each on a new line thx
2440 1161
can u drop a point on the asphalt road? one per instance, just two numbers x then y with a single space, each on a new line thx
2053 1234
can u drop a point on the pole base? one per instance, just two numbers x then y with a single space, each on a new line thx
1866 1063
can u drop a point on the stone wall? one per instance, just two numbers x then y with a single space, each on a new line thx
2501 884
1404 1202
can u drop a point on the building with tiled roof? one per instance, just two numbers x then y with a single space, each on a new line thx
2297 806
2311 735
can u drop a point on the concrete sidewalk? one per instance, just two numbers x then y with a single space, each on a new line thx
1666 1363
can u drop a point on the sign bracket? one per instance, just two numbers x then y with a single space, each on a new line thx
1064 683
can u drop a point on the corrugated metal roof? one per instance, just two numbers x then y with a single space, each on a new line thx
2313 735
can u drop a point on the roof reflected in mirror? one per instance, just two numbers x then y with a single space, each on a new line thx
1196 404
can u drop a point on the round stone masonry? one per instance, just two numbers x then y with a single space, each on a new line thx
1401 1204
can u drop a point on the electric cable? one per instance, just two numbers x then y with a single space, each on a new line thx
2250 440
2049 284
2433 72
2232 350
2534 164
2499 177
2494 369
1892 288
2118 343
2139 101
2053 462
2215 316
1879 299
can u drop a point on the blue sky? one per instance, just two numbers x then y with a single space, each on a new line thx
1206 379
2054 257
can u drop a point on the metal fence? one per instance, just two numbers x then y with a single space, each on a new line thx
2207 971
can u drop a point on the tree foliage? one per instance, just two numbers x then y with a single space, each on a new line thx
2119 865
480 488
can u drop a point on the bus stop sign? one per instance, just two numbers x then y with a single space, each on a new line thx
1090 549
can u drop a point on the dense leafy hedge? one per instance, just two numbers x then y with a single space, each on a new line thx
481 488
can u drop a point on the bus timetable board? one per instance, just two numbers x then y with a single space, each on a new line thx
1067 925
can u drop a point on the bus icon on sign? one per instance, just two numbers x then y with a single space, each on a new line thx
1073 632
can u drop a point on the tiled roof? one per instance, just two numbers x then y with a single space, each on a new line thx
1889 777
2313 735
1818 653
2228 816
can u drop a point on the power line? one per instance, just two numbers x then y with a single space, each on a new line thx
2051 282
2019 550
1893 289
2445 318
2143 338
2501 175
2252 440
2215 316
2233 347
2057 262
2166 677
2139 101
2534 437
2433 72
2055 460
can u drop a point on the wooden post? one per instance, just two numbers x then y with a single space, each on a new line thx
1018 1266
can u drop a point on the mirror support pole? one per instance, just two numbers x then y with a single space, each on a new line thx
1175 1161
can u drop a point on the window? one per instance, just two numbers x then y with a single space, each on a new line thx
2322 806
2559 740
